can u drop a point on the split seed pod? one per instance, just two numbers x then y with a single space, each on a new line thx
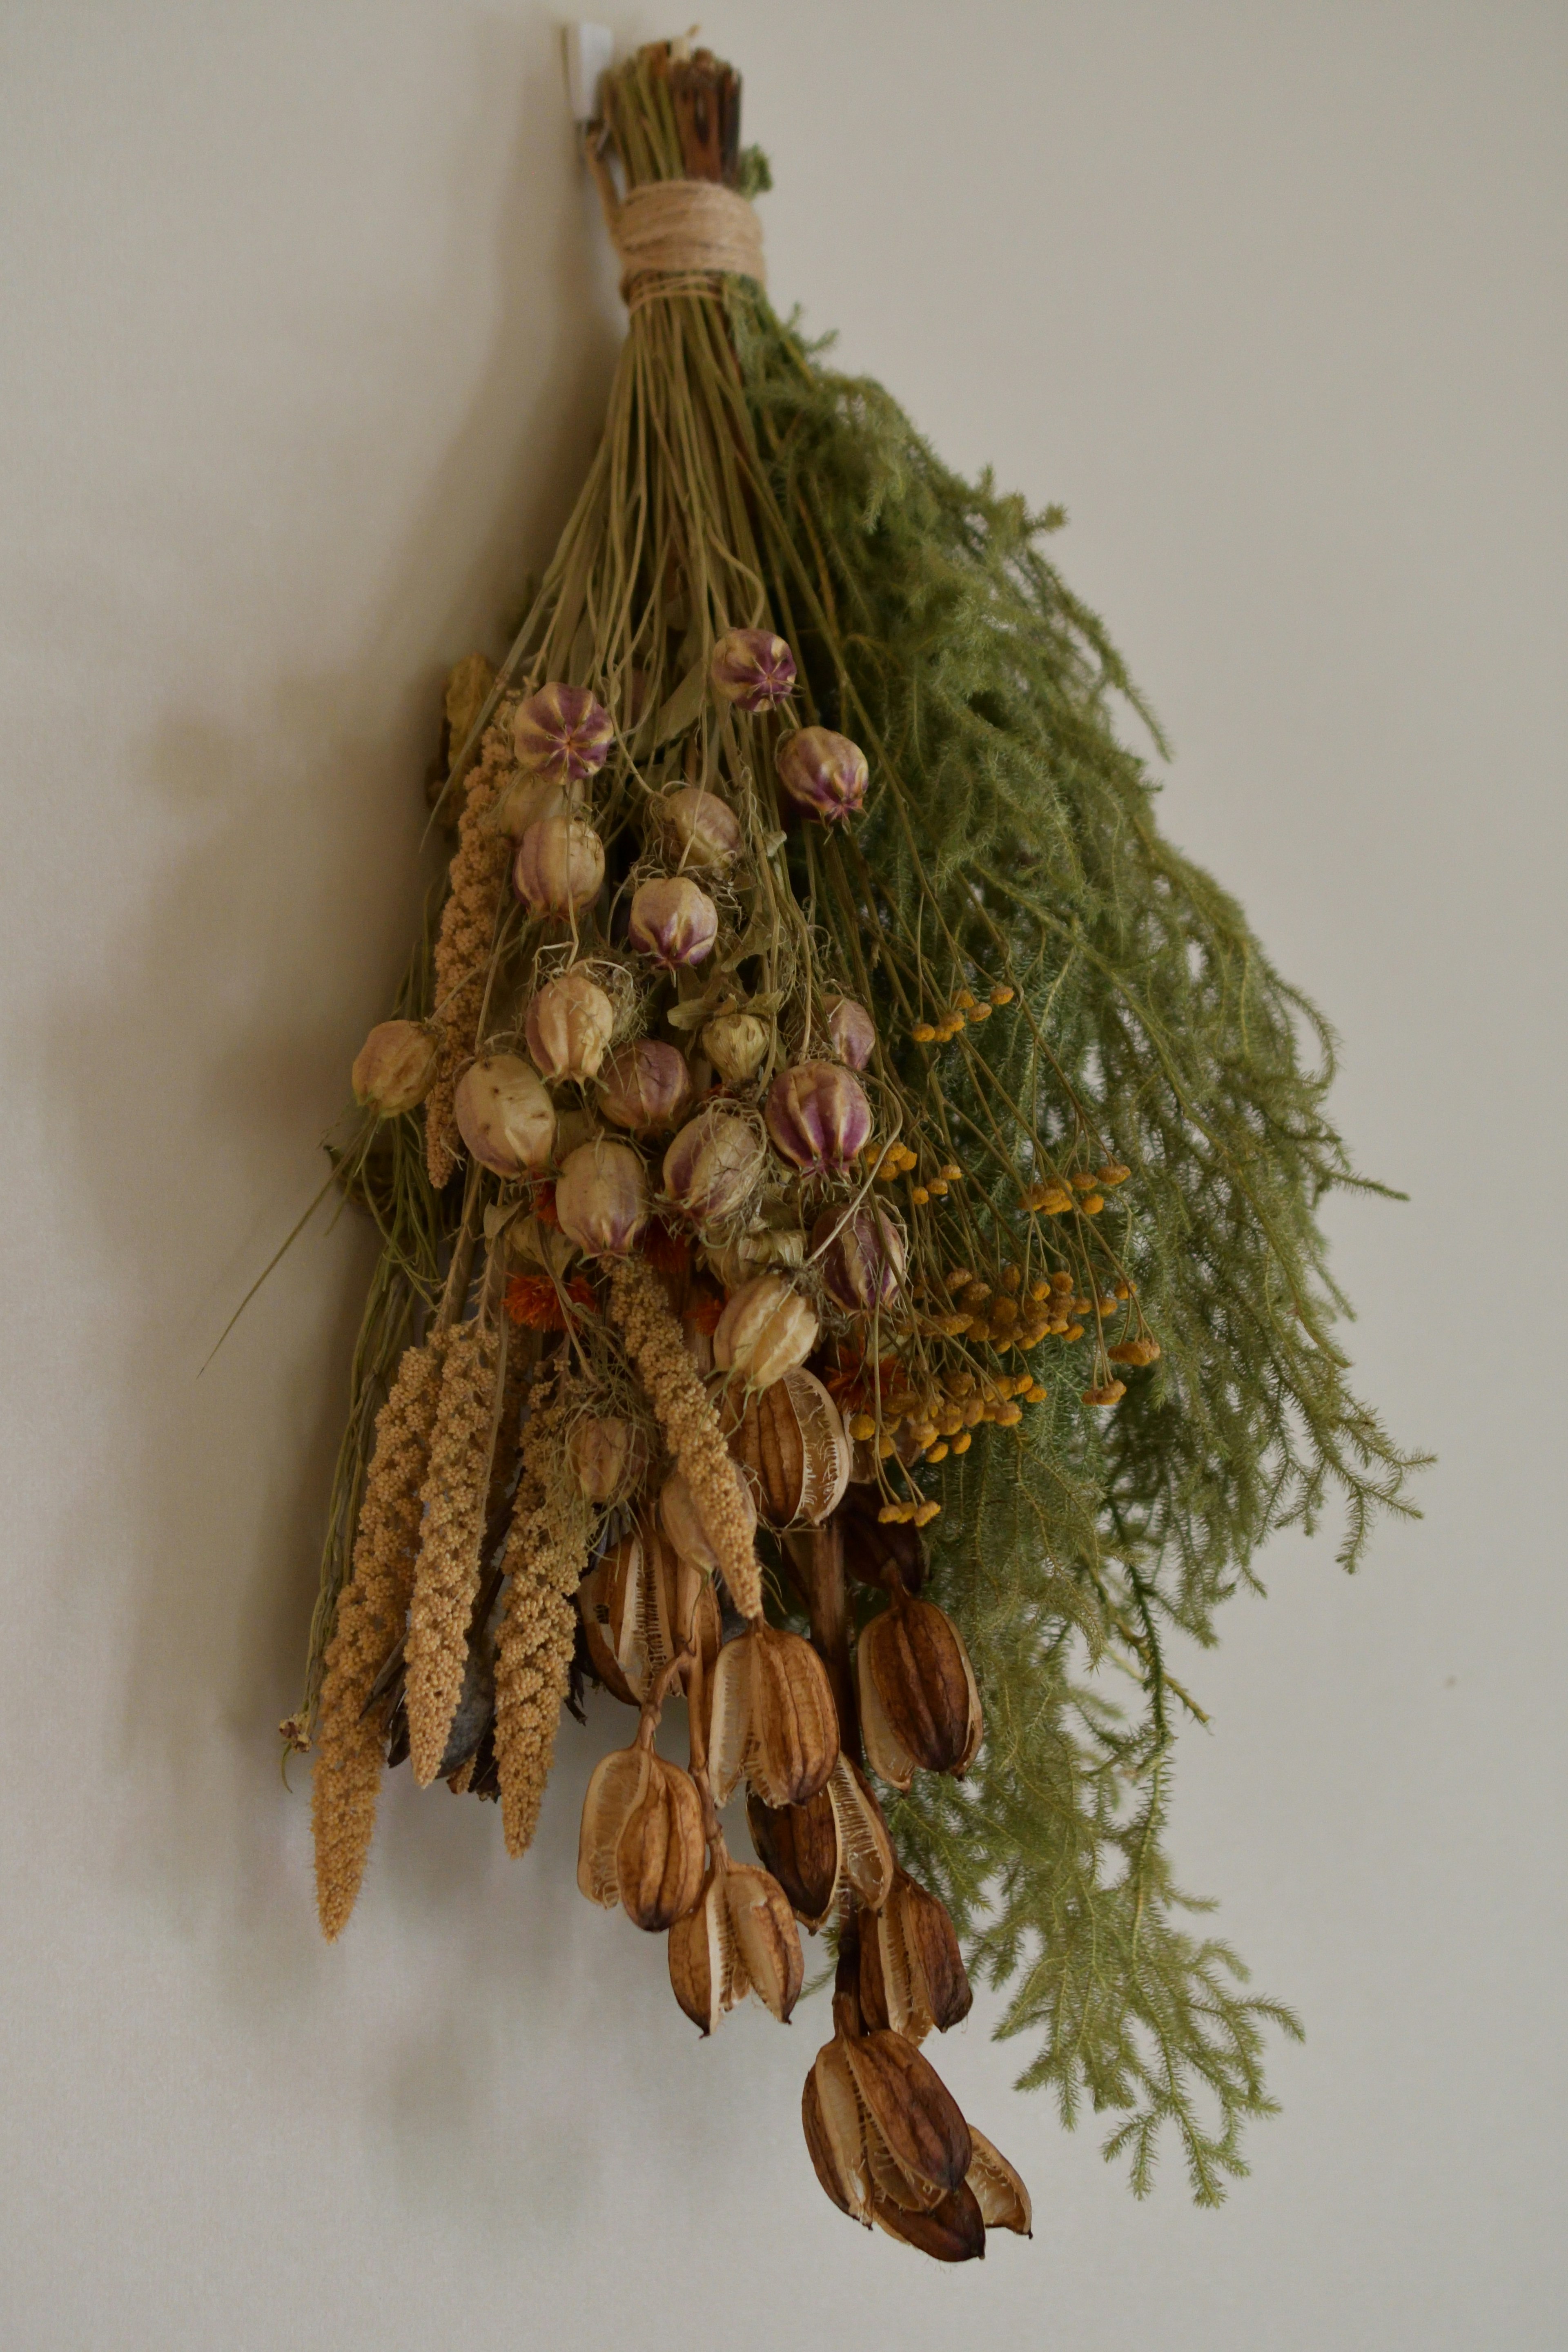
889 2143
394 1069
998 2188
863 1257
791 1442
707 1974
851 1032
824 773
712 1167
765 1936
912 1976
766 1331
641 1843
645 1086
838 1838
608 1456
818 1117
741 1261
735 1042
703 831
562 733
569 1024
600 1198
919 1702
639 1608
754 669
683 1523
774 1720
673 921
504 1115
558 865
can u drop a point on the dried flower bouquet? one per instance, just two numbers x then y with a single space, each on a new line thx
849 1192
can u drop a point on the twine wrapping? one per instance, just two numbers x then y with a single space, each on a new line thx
676 235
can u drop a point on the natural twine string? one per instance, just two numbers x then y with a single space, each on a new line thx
674 236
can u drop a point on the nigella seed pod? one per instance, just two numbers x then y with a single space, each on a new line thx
600 1198
754 669
673 922
791 1442
562 733
608 1456
773 1720
765 1330
823 773
504 1115
524 800
394 1069
862 1260
713 1165
919 1702
645 1086
851 1032
818 1117
701 830
735 1043
558 866
569 1024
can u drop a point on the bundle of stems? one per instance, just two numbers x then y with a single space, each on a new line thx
853 1086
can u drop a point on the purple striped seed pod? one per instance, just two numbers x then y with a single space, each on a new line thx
645 1086
863 1263
673 921
713 1164
752 669
562 733
823 773
818 1117
851 1032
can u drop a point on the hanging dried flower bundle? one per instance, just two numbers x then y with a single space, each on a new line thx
848 1189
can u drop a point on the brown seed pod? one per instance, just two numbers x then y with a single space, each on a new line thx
661 1850
953 2231
914 2113
999 2190
773 1720
765 1936
883 1553
638 1608
707 1973
919 1702
865 1851
799 1844
886 2138
791 1442
912 1976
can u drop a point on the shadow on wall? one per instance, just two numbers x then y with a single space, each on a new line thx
240 994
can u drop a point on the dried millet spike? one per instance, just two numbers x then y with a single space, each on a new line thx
479 866
690 1426
546 1552
447 1577
371 1613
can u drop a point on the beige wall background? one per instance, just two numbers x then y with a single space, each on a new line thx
307 325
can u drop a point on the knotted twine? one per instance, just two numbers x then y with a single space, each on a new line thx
675 236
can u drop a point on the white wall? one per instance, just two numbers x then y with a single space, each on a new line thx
306 327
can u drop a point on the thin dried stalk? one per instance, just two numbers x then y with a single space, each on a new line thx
545 1555
685 1413
447 1578
371 1613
